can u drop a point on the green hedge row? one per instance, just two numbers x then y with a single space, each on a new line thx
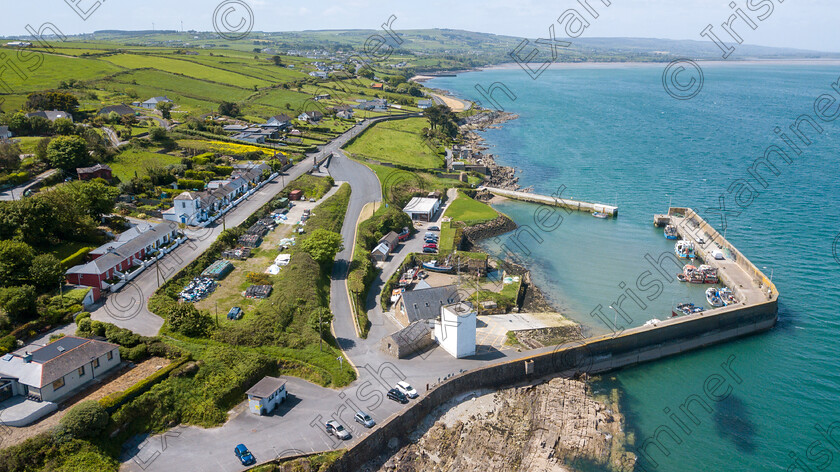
115 400
76 258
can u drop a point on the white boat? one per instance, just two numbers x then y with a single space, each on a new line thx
713 298
726 296
601 214
652 322
684 249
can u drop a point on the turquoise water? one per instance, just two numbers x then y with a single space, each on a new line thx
612 135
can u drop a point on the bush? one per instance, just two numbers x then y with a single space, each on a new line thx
186 319
134 354
85 420
187 184
7 344
18 302
76 258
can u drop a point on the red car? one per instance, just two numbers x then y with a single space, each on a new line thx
430 246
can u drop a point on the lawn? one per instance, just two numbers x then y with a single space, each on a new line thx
398 142
54 69
131 163
470 211
392 179
313 187
27 143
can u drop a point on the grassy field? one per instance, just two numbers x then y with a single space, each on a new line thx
54 69
399 142
132 162
391 179
187 68
470 211
222 147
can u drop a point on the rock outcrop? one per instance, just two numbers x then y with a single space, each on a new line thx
547 427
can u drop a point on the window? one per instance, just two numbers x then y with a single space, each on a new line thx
58 383
96 363
82 371
110 355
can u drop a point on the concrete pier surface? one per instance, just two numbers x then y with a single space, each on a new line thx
552 200
748 283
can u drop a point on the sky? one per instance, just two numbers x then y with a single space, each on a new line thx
804 24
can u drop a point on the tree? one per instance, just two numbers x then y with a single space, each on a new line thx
165 108
366 72
322 245
157 133
229 109
15 259
63 126
46 271
187 320
18 302
41 149
85 420
52 101
67 152
9 156
320 320
91 198
277 61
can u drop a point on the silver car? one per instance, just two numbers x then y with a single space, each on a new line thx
335 428
365 420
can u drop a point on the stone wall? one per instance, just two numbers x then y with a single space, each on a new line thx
500 225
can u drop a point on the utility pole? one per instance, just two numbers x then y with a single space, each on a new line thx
320 330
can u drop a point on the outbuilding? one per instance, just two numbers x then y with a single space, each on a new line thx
265 395
422 209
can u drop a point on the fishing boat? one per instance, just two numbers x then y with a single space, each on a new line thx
710 274
686 309
684 249
670 232
652 322
726 296
434 267
713 298
601 214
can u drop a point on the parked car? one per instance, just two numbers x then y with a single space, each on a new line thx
365 420
429 250
430 245
406 389
397 396
235 313
335 428
312 200
433 228
430 235
244 455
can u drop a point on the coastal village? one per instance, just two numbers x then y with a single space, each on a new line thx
280 259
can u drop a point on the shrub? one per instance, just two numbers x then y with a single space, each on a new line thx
7 344
85 420
76 258
134 354
186 319
188 184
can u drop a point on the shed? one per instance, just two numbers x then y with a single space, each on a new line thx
265 395
296 195
422 209
380 252
413 338
391 239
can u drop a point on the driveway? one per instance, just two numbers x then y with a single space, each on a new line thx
16 193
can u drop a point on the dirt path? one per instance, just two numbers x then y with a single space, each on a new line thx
117 384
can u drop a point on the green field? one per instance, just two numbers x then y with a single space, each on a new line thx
398 142
53 70
187 68
470 211
134 163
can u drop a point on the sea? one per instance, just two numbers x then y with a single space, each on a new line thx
611 133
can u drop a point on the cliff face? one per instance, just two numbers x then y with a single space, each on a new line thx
547 427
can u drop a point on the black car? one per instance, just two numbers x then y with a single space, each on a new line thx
397 396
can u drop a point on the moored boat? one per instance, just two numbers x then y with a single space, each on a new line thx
670 232
684 249
686 309
726 296
601 214
713 298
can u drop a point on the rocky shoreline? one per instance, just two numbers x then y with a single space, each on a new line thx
556 425
503 177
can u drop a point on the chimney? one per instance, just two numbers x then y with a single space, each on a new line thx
27 357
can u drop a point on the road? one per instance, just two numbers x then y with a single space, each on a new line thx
16 193
127 307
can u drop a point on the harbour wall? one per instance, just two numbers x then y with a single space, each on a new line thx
576 205
591 356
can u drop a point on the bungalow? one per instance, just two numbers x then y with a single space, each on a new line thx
5 133
423 104
235 128
250 138
99 171
424 304
322 96
122 110
282 121
111 259
319 74
50 115
422 209
151 103
58 370
311 116
377 104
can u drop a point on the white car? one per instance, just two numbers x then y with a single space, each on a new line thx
407 389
